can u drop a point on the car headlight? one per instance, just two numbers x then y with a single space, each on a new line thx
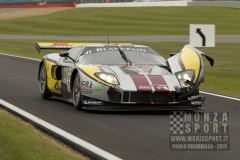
185 77
107 77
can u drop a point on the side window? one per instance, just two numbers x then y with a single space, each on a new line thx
73 52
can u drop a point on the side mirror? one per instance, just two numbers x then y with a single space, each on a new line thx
63 54
66 54
172 54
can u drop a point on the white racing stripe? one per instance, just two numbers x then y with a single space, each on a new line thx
60 132
148 79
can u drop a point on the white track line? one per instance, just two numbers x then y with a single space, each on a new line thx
60 132
19 57
222 96
212 94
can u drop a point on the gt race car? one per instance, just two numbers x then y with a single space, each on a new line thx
123 76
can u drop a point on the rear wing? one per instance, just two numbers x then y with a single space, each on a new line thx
66 45
57 45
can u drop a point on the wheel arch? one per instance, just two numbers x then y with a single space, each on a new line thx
74 73
46 92
39 69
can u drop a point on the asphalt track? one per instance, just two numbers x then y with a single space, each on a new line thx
128 135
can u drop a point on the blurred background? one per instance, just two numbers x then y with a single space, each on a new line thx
42 2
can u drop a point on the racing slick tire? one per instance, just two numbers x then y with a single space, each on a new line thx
44 91
77 97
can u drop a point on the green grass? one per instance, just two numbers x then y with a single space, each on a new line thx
21 141
125 21
223 78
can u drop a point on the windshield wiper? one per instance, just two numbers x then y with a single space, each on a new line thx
124 57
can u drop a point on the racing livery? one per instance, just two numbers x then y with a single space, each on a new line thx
122 76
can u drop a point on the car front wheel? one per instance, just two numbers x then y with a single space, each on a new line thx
77 97
43 83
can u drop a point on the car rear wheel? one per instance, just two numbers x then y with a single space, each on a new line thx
77 97
43 83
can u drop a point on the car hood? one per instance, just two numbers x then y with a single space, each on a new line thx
137 78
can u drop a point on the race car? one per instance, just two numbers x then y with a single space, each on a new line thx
121 77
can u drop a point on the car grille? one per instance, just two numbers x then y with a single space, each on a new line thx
148 97
114 95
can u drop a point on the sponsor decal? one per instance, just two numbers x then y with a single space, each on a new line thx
196 102
193 97
162 87
86 91
145 87
86 85
123 49
100 87
159 83
59 44
140 80
92 102
199 131
158 86
90 50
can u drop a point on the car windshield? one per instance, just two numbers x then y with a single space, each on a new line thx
111 55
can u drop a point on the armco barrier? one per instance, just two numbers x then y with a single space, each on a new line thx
35 2
40 6
230 4
134 4
104 1
83 4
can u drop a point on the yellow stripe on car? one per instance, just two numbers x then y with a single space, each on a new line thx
61 44
90 70
51 82
191 60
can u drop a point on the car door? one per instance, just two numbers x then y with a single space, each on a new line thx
66 65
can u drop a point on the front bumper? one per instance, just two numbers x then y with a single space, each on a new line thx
120 100
143 108
190 105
